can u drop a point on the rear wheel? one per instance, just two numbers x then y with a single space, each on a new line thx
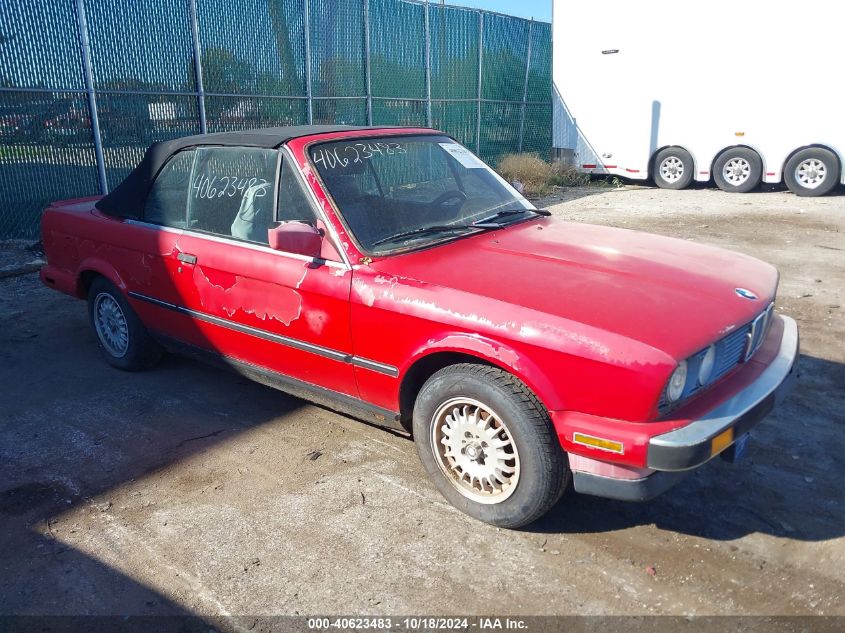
673 168
811 172
738 170
488 445
123 339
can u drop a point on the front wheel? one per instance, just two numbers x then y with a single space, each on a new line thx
123 339
813 171
673 168
488 445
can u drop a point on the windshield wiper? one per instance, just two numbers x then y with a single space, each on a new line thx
423 230
504 213
484 223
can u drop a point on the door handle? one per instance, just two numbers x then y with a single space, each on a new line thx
187 258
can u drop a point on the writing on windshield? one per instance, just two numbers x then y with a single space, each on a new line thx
395 193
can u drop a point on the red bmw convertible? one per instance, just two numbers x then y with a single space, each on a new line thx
390 274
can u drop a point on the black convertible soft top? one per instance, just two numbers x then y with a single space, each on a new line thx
127 200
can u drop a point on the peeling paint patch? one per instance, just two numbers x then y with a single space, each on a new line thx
262 299
543 331
391 292
301 279
367 294
218 278
473 318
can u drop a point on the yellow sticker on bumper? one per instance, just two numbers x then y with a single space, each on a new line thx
721 441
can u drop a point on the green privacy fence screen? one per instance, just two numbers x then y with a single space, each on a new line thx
87 85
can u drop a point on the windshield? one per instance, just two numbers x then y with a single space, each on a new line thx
399 192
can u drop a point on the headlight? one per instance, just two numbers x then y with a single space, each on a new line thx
705 371
677 382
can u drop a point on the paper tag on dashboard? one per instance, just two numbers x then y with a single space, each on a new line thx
463 156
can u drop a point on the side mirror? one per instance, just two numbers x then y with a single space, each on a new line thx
295 237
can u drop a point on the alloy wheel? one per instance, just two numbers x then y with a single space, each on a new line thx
475 450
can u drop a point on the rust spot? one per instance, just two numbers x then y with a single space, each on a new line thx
316 320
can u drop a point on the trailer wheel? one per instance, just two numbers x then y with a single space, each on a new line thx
811 172
738 170
673 168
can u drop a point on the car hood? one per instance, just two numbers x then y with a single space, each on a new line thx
674 295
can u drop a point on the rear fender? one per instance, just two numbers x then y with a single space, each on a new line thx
100 267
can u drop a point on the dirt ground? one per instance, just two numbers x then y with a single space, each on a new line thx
189 490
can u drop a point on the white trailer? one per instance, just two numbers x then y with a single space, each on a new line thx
740 92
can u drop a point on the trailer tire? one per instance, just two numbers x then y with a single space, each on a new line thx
673 168
738 170
811 172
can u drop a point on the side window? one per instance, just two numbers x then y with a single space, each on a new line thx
293 202
167 201
232 192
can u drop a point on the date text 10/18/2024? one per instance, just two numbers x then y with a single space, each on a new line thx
417 623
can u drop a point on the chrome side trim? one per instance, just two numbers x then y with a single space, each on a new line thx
776 378
350 405
382 368
155 227
326 352
263 249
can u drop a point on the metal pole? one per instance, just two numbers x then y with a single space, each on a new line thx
195 36
92 97
306 19
478 95
525 87
427 68
367 62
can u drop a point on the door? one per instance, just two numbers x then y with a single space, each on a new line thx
603 74
281 312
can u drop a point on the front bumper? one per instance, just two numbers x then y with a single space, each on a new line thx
674 454
641 489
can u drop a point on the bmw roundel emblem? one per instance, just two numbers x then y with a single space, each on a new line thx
745 294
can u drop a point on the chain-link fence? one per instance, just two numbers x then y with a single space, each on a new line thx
87 85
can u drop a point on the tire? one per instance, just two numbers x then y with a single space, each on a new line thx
738 170
811 172
533 468
673 168
123 340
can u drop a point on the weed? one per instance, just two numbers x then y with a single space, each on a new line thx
530 170
565 175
